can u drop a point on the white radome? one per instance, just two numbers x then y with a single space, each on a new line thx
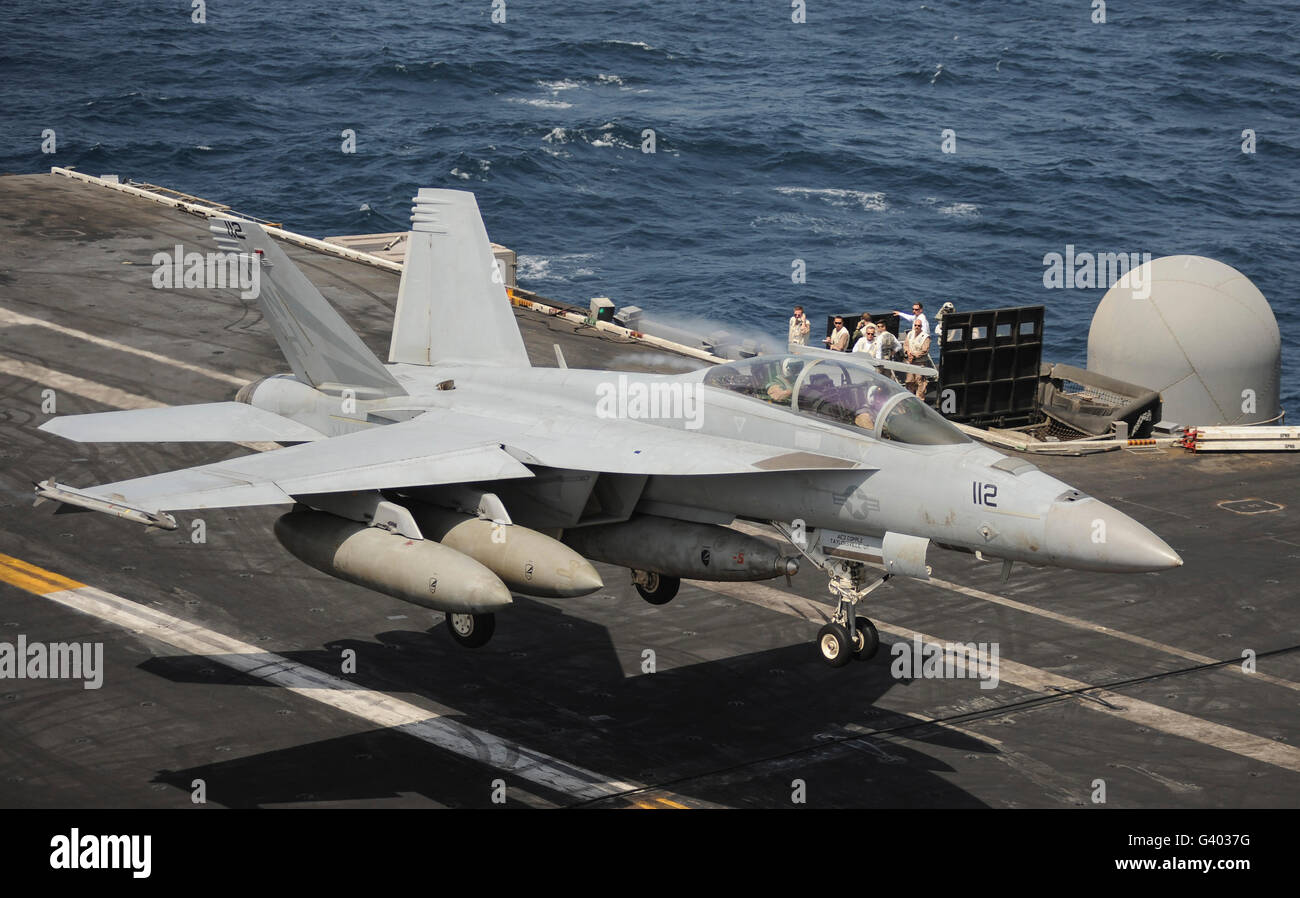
1198 332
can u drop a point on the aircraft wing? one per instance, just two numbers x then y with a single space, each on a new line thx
438 447
206 422
622 446
412 453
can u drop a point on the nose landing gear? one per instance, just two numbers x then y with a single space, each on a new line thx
848 635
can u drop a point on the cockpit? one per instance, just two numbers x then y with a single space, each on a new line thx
844 392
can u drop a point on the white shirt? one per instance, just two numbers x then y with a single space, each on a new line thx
865 345
909 318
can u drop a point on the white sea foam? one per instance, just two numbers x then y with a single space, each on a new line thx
837 196
556 269
541 102
557 86
961 210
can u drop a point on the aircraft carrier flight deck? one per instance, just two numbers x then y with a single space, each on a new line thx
226 660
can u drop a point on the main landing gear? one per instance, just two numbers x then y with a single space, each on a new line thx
471 630
848 636
657 589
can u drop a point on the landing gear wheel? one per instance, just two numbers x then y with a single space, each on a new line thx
868 641
658 589
471 630
833 643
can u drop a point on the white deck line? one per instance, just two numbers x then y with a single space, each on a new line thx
374 707
1134 711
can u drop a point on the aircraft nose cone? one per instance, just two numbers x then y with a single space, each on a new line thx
1091 535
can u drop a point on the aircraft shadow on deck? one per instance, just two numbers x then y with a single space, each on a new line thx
553 683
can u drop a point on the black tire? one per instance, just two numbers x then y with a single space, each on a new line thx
869 639
661 590
471 630
833 645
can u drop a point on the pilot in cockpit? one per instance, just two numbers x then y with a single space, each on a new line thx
780 386
866 415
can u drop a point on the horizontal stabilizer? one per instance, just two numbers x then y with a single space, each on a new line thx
212 422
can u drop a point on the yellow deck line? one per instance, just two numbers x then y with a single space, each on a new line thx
33 579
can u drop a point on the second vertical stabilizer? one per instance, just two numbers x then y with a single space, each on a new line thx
452 304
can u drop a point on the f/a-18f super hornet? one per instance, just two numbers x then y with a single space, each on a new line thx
457 473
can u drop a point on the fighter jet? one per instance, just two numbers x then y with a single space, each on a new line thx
458 474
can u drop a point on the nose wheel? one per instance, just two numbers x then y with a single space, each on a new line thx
860 637
848 636
867 642
833 642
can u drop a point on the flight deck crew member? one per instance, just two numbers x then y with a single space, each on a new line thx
799 327
839 338
861 328
866 342
917 346
938 322
886 348
918 313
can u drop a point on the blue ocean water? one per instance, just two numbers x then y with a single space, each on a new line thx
775 141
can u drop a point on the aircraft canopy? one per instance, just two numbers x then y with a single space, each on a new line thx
845 392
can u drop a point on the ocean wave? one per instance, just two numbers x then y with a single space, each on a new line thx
540 102
554 269
838 196
959 210
557 86
610 134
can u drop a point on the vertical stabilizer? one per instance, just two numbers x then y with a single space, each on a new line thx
318 344
452 304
